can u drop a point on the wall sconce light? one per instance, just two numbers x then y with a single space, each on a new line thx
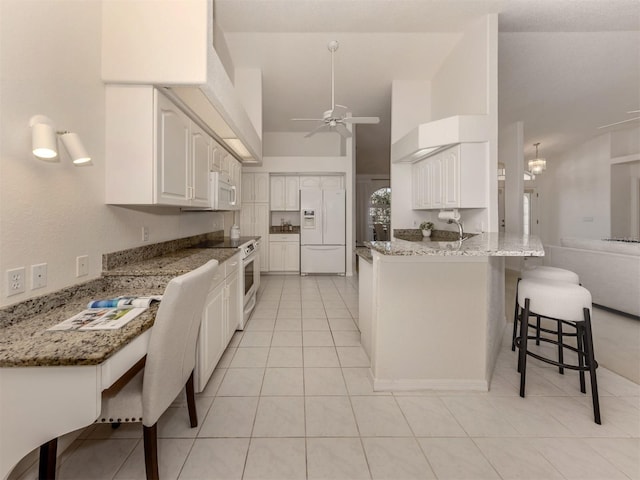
537 165
45 142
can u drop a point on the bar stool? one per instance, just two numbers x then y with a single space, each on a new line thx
542 273
564 303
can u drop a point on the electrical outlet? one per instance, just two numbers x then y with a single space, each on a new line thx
38 276
145 234
15 281
82 265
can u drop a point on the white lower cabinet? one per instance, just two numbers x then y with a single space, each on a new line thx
220 318
453 178
284 253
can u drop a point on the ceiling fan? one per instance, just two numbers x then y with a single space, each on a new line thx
623 121
335 119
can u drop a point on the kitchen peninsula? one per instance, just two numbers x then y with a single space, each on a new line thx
432 312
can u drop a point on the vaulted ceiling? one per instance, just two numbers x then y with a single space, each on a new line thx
565 66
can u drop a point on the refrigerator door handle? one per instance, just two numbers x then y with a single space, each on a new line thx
324 221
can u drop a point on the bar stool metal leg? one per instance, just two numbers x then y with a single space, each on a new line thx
560 349
591 361
524 330
515 321
580 342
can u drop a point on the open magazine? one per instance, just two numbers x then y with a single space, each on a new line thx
108 314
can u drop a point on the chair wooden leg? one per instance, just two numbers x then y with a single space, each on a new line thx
537 329
591 361
150 437
524 332
47 466
191 402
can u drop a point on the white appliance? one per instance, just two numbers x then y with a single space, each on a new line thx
250 278
322 231
223 193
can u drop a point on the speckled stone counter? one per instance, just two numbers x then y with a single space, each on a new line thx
364 253
25 341
173 264
276 229
481 245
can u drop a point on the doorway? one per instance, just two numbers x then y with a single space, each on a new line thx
379 218
530 221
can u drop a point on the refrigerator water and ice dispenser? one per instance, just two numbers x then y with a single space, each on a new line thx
309 219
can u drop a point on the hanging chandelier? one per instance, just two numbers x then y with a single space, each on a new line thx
537 165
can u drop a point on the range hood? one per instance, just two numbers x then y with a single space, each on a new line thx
430 138
169 45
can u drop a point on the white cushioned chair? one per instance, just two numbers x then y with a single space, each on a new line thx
169 364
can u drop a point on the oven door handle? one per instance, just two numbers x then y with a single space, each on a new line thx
250 304
249 258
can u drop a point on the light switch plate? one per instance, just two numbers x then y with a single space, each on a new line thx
82 265
38 276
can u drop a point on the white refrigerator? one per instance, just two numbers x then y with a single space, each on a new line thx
322 231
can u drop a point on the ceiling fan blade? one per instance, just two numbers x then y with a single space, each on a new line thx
307 119
362 120
321 128
342 130
339 111
618 123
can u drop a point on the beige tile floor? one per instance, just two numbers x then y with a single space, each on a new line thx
291 399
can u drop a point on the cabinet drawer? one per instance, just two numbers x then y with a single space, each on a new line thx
284 237
232 264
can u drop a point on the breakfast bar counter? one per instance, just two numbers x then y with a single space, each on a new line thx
431 311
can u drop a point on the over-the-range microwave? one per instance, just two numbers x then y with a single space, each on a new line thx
222 191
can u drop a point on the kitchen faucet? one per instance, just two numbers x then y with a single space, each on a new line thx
459 224
452 216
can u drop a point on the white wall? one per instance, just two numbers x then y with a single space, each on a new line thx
511 154
624 177
248 85
461 85
575 193
52 212
277 144
410 106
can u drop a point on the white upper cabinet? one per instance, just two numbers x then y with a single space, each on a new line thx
201 151
315 182
453 178
173 134
255 187
172 171
285 192
292 193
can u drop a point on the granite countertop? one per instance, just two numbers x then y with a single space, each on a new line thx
481 245
173 264
25 341
276 229
364 253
